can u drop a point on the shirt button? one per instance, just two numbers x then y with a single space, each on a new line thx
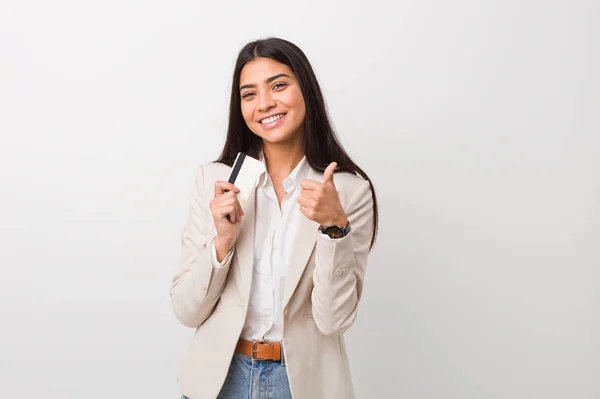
338 272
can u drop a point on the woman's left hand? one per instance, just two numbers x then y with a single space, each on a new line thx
320 201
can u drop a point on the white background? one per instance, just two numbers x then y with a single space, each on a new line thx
478 122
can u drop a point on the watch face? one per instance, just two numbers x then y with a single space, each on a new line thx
334 232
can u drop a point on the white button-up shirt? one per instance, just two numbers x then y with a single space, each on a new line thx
274 225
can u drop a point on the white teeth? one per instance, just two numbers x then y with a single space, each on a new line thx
272 119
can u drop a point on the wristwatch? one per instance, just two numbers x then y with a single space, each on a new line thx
334 231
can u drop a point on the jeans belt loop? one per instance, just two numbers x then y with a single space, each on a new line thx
254 350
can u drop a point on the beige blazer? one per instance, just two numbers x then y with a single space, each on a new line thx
321 294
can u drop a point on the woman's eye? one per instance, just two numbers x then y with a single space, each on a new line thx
278 85
247 95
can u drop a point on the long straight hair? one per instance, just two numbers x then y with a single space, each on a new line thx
322 145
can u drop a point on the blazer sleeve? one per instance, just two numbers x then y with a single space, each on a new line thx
197 284
340 267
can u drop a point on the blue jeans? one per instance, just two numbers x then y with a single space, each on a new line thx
255 379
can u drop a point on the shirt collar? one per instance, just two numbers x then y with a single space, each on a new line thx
298 174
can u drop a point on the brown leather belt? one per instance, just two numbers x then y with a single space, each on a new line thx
259 350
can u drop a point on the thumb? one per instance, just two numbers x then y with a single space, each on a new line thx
328 174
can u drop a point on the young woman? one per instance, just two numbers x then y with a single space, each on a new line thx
272 284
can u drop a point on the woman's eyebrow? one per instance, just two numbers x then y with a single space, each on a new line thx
272 78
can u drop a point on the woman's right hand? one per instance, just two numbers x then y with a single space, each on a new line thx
227 214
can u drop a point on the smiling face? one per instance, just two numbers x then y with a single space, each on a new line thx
272 102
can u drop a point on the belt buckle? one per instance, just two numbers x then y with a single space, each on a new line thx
254 349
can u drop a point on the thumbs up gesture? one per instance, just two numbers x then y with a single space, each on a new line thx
320 202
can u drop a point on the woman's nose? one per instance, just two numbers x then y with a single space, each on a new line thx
266 102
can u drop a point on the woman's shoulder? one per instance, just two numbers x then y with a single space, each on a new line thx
208 173
349 184
214 168
349 180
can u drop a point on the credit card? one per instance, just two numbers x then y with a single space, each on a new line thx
245 173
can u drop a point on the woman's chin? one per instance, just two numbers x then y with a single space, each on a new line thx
275 136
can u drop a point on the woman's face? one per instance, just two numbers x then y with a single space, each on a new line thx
272 102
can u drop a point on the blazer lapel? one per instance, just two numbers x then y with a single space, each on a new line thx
244 245
304 239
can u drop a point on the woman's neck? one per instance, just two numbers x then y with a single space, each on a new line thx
281 160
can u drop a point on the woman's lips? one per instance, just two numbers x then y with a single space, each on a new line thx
274 123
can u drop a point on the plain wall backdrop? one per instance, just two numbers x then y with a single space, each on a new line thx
478 122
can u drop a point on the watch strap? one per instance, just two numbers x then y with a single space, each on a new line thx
345 230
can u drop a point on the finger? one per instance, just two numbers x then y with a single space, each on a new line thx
328 174
235 216
304 210
308 184
222 187
228 198
307 212
310 194
239 207
307 202
238 215
223 200
226 212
